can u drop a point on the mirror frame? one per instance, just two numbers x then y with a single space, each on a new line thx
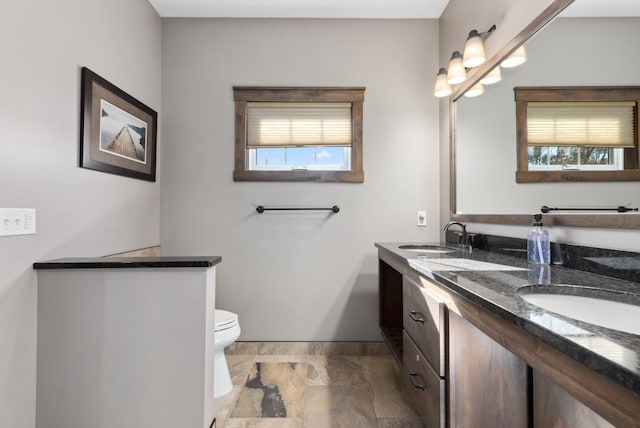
590 220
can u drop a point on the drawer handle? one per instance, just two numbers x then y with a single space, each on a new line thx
412 376
413 316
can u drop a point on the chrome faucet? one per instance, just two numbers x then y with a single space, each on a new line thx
463 240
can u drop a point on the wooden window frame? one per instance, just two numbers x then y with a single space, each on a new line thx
244 94
523 95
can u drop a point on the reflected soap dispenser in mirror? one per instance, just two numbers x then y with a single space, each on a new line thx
538 246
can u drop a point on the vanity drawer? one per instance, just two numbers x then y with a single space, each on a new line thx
424 318
425 387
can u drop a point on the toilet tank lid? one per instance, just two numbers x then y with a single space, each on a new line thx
224 318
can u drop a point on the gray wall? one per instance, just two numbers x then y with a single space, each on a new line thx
300 276
79 211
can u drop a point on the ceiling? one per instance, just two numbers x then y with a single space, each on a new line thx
382 9
300 8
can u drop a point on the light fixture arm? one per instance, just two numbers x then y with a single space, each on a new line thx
474 33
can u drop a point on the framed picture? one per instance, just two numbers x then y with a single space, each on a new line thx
117 132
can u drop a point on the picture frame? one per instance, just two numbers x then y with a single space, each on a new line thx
117 132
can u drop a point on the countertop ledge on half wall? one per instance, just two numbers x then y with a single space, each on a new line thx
128 262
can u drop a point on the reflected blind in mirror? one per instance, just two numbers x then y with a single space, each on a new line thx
581 123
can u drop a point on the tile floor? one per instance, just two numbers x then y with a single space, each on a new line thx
314 385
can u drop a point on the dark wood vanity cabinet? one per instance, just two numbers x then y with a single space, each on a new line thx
464 366
488 385
424 320
424 352
455 374
390 308
555 407
426 388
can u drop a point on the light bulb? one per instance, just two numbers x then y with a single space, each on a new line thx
515 59
457 73
494 76
442 88
473 50
474 91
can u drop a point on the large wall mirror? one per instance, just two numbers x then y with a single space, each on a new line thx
573 43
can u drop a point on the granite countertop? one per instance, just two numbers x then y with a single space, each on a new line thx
128 262
611 353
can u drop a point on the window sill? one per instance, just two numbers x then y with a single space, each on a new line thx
303 176
569 176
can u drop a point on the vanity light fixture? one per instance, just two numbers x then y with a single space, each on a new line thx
474 91
456 73
474 48
516 58
494 76
442 89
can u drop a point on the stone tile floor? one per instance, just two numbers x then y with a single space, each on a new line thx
314 391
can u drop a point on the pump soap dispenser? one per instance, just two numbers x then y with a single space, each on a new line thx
538 247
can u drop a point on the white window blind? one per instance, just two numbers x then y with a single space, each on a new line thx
588 124
278 124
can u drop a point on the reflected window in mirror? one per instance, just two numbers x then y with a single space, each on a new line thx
577 134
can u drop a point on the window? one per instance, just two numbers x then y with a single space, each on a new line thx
577 134
298 134
574 158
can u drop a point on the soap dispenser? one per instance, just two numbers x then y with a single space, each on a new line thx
538 247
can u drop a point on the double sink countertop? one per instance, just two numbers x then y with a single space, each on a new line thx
474 275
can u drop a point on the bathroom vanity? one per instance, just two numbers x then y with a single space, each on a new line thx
472 349
126 342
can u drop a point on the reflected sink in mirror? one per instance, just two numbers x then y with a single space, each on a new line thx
428 249
617 311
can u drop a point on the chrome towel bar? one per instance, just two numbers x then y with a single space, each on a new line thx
260 208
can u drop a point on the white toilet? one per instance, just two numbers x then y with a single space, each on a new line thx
227 331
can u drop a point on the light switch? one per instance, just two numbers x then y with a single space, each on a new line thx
17 221
422 218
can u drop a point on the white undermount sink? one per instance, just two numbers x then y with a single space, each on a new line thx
599 311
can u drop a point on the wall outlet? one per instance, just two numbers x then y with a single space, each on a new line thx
17 221
422 218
